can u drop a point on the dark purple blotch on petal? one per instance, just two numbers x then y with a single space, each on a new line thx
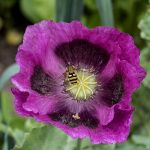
113 90
88 120
41 82
70 121
66 118
81 51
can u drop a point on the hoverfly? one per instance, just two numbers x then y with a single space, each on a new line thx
71 75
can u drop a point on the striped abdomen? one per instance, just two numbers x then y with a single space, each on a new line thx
72 77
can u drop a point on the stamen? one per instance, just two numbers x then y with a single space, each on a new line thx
90 82
89 88
82 75
88 77
84 92
78 91
72 87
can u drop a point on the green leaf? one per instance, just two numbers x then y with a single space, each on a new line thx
37 10
86 145
69 10
142 140
142 112
145 61
106 12
104 147
19 136
129 146
8 113
5 145
4 128
11 123
46 138
10 71
144 25
6 103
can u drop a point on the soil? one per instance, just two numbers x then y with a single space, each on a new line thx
7 54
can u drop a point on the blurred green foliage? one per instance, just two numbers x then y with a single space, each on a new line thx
37 10
105 12
144 26
69 10
132 16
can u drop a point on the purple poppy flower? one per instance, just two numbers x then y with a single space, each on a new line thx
78 79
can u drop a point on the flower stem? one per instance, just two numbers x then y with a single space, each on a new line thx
78 144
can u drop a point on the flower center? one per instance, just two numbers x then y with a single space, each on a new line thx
80 83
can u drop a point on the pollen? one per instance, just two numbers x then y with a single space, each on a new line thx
85 85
